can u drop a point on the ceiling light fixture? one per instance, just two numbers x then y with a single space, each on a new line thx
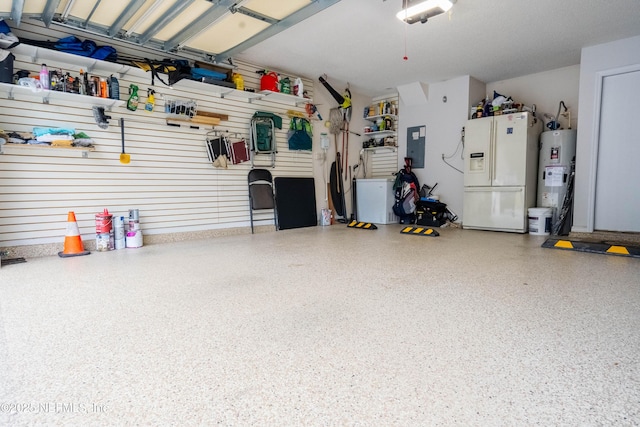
421 10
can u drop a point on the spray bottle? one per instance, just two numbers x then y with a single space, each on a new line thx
238 80
132 103
151 100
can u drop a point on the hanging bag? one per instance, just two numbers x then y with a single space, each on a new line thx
300 134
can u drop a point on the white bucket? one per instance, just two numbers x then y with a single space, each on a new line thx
540 221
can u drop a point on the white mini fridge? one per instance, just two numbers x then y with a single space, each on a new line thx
374 198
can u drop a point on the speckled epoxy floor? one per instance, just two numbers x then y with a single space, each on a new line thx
323 326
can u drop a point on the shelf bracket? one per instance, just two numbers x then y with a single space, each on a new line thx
91 66
222 94
123 71
10 96
45 99
34 56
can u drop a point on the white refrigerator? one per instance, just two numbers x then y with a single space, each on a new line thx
500 172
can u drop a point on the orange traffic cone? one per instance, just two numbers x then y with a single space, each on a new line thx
72 242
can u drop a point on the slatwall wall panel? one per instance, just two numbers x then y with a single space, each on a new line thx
383 162
170 179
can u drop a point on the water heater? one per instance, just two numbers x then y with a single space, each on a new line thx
557 150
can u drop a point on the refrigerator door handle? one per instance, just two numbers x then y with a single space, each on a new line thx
492 151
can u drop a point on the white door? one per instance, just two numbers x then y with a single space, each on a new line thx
617 198
477 152
510 148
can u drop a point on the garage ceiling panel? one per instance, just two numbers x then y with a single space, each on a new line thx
228 32
183 20
202 28
148 14
277 9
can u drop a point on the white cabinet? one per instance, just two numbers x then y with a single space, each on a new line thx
375 199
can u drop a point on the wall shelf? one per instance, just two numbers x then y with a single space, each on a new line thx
84 150
381 116
44 55
379 134
285 98
382 147
221 91
194 122
46 95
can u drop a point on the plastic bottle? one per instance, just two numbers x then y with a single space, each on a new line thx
85 83
238 80
114 88
104 92
487 108
151 101
44 77
132 103
298 89
82 86
95 86
285 85
54 81
68 83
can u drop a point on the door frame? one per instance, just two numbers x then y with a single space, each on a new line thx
593 167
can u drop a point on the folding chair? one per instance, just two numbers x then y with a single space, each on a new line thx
261 194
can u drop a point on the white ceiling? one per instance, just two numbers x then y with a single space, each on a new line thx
362 43
359 42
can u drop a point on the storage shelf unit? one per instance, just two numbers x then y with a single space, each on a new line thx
381 133
227 92
10 90
83 150
382 147
43 55
285 98
222 91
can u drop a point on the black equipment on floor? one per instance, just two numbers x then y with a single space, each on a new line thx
432 214
296 202
261 193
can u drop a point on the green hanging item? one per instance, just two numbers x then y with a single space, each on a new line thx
132 103
300 134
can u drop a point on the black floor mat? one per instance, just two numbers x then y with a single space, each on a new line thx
10 261
596 247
